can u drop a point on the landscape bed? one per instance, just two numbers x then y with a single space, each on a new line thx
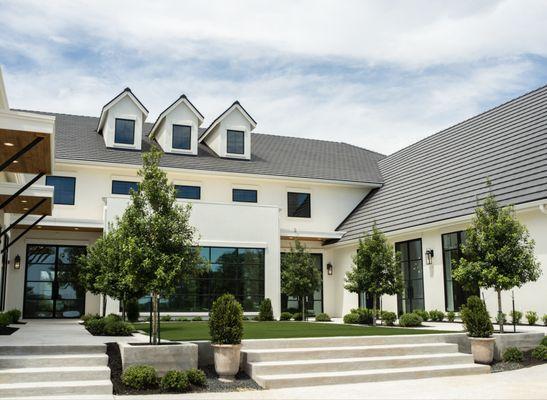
279 330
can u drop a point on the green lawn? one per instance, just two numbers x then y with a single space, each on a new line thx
271 330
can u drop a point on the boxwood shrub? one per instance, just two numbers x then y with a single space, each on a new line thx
285 316
436 315
410 320
226 320
111 325
351 318
365 315
532 317
451 316
175 381
322 317
297 316
165 318
543 341
118 328
389 318
476 319
544 319
540 353
423 314
5 320
140 377
14 315
196 377
512 354
516 316
197 318
95 326
265 310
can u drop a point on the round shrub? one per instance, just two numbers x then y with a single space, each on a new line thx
322 317
175 381
451 316
436 315
113 317
132 310
544 319
182 319
118 328
265 310
297 316
503 318
476 319
516 316
140 377
14 315
87 317
196 377
540 353
226 320
351 318
5 320
365 315
410 320
423 314
543 341
532 317
197 318
512 354
165 318
95 326
389 318
285 316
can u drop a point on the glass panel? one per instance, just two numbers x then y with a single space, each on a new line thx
182 137
188 192
235 142
124 187
124 131
68 308
39 290
415 249
40 272
299 205
41 255
39 308
244 195
63 189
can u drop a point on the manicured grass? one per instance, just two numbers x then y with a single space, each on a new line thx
271 330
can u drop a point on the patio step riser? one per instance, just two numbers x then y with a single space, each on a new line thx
270 382
39 361
55 375
52 349
349 364
75 389
329 353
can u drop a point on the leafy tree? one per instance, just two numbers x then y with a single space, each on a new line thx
299 275
376 268
498 252
156 235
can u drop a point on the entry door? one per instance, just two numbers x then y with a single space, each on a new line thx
314 303
51 282
412 297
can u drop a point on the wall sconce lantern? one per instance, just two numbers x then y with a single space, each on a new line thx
329 269
429 256
17 262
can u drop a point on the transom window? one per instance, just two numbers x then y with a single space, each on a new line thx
124 131
64 188
235 142
124 187
299 205
188 192
182 137
244 195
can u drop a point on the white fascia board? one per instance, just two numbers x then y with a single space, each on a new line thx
67 222
181 99
313 234
128 93
9 188
235 106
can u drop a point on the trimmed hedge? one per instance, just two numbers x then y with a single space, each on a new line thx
543 341
140 377
476 319
532 317
351 318
196 377
5 320
226 320
111 325
512 354
14 315
516 316
322 317
436 315
297 316
540 353
165 318
365 315
285 316
451 316
410 320
265 311
197 318
175 381
388 318
423 314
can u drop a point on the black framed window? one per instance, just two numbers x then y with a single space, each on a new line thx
64 188
239 271
299 205
235 142
314 301
124 187
244 195
182 137
124 132
412 297
188 192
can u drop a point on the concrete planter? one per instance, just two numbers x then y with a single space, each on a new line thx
227 358
482 349
164 358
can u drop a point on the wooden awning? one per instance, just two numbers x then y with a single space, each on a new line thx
36 200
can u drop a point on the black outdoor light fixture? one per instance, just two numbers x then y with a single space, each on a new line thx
429 256
17 262
329 269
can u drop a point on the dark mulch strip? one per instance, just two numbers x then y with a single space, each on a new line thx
6 330
527 362
242 382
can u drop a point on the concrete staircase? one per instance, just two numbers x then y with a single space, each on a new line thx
278 363
54 370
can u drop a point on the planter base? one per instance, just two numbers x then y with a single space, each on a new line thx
482 349
227 359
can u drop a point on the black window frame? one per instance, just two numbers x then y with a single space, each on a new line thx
121 181
247 191
66 178
173 137
231 132
193 187
293 209
116 131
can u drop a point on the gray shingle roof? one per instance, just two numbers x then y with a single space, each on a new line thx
440 177
76 139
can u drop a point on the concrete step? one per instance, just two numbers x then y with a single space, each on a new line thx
54 374
311 353
62 360
54 389
375 375
350 364
53 349
345 341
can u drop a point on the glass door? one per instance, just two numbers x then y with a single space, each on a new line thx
412 297
52 287
314 303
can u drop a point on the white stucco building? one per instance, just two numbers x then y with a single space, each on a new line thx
253 193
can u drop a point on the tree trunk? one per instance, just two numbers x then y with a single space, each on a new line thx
303 308
124 304
500 313
104 305
154 320
374 309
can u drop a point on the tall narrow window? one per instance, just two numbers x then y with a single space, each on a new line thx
412 297
124 187
299 205
244 195
124 131
182 137
188 192
235 142
64 188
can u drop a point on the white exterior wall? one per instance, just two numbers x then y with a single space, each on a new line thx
126 109
217 139
180 115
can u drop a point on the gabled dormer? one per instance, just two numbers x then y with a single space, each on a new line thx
177 128
122 120
230 134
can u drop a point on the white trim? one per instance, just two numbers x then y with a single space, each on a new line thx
115 101
9 188
228 243
67 222
235 106
181 99
193 131
312 234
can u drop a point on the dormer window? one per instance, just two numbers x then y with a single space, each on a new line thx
182 137
235 142
124 131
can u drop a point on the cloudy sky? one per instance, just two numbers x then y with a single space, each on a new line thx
378 74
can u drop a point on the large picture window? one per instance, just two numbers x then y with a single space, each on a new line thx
64 188
412 297
239 271
124 132
299 205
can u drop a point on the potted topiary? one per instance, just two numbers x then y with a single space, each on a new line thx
226 329
476 321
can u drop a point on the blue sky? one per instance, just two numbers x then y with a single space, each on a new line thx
375 74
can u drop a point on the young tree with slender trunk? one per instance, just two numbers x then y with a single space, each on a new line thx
299 275
157 236
376 268
498 252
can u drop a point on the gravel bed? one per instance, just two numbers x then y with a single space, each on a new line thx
528 361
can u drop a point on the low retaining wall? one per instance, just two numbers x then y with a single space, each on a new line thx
523 341
162 357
